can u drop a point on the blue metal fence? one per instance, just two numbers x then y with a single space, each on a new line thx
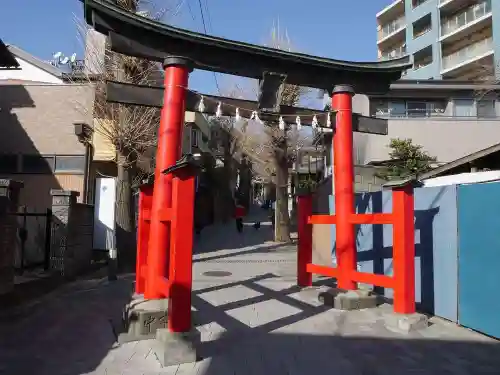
479 257
436 246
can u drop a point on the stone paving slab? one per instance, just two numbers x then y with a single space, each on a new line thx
255 321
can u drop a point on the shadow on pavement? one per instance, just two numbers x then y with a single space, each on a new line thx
292 353
303 342
68 333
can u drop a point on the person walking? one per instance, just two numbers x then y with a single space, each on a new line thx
239 213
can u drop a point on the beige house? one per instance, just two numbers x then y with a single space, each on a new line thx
38 144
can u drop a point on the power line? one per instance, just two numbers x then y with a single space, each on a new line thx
205 29
190 10
209 19
202 17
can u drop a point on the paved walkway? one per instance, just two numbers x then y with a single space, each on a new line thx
252 318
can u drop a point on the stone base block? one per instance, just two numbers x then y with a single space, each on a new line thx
175 348
403 323
141 319
348 300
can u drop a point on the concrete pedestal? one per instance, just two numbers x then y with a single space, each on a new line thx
141 319
405 323
348 300
172 348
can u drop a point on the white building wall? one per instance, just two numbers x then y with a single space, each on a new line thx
29 72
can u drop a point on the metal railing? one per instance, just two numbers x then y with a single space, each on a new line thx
394 54
392 27
466 17
436 113
430 111
467 53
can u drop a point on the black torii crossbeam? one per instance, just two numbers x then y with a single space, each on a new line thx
150 96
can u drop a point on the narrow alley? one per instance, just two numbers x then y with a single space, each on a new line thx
252 319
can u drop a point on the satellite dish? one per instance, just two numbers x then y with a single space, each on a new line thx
72 58
64 61
57 55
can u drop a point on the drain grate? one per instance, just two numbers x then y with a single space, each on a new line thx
217 273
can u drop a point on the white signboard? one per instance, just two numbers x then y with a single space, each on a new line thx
104 214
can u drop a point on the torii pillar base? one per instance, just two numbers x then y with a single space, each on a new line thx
405 323
349 299
141 319
176 348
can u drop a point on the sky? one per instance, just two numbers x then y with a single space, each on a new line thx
339 29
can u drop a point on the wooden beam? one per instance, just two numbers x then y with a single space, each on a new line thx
150 96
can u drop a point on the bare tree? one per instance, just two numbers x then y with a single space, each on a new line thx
283 145
130 130
276 150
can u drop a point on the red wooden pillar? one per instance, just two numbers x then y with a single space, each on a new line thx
143 224
344 185
168 152
181 242
403 250
304 247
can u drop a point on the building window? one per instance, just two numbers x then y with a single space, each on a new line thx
422 58
70 163
486 108
416 3
48 164
8 163
418 109
421 26
397 108
37 164
463 107
194 138
406 108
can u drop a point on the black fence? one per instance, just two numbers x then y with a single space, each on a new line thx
33 239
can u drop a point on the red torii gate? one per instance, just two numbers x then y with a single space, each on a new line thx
402 219
165 229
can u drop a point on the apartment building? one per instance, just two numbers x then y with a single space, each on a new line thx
447 39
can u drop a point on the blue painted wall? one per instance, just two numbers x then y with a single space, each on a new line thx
479 257
436 246
430 38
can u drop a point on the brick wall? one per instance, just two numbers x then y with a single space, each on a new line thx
72 230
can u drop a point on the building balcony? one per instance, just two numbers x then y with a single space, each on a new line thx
471 20
393 32
452 6
471 57
392 11
393 54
